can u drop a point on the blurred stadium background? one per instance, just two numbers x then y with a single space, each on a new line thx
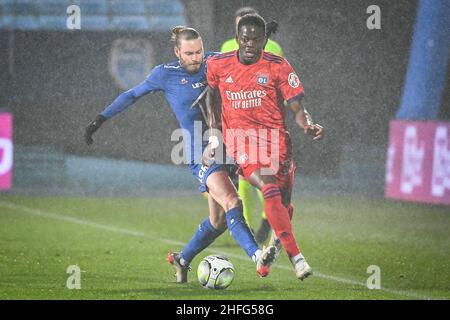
55 80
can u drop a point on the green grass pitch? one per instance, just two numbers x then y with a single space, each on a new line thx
120 245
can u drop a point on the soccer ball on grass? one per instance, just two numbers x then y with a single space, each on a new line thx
215 272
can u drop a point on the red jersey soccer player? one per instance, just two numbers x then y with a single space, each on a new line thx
253 85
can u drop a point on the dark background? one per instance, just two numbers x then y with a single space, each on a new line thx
353 79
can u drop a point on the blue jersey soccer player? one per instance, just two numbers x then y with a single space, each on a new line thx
183 82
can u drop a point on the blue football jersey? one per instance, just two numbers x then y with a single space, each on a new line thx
184 93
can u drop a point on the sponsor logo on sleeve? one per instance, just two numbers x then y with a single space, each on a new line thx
293 80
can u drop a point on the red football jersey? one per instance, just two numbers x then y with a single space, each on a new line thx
252 99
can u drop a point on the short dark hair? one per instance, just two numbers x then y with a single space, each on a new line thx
243 11
252 19
183 33
271 27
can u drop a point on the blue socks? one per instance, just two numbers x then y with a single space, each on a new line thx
240 231
205 235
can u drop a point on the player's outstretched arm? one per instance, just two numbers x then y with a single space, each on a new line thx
92 127
124 100
213 107
304 120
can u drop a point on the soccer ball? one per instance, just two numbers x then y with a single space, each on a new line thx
215 272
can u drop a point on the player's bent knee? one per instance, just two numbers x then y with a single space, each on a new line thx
220 221
219 224
233 202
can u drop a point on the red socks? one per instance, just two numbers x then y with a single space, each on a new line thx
290 209
279 218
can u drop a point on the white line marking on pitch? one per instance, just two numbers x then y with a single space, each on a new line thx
50 215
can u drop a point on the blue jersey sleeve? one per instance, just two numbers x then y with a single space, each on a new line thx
154 82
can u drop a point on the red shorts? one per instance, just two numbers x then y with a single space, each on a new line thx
285 176
282 166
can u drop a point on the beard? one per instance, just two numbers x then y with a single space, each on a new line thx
190 67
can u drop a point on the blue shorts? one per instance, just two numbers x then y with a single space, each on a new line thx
202 172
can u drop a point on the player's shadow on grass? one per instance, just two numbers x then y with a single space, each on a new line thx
231 243
182 291
225 245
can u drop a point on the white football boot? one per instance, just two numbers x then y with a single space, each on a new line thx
302 268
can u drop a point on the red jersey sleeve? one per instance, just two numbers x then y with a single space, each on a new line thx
211 76
289 83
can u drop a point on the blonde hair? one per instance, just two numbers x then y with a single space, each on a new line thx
183 33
